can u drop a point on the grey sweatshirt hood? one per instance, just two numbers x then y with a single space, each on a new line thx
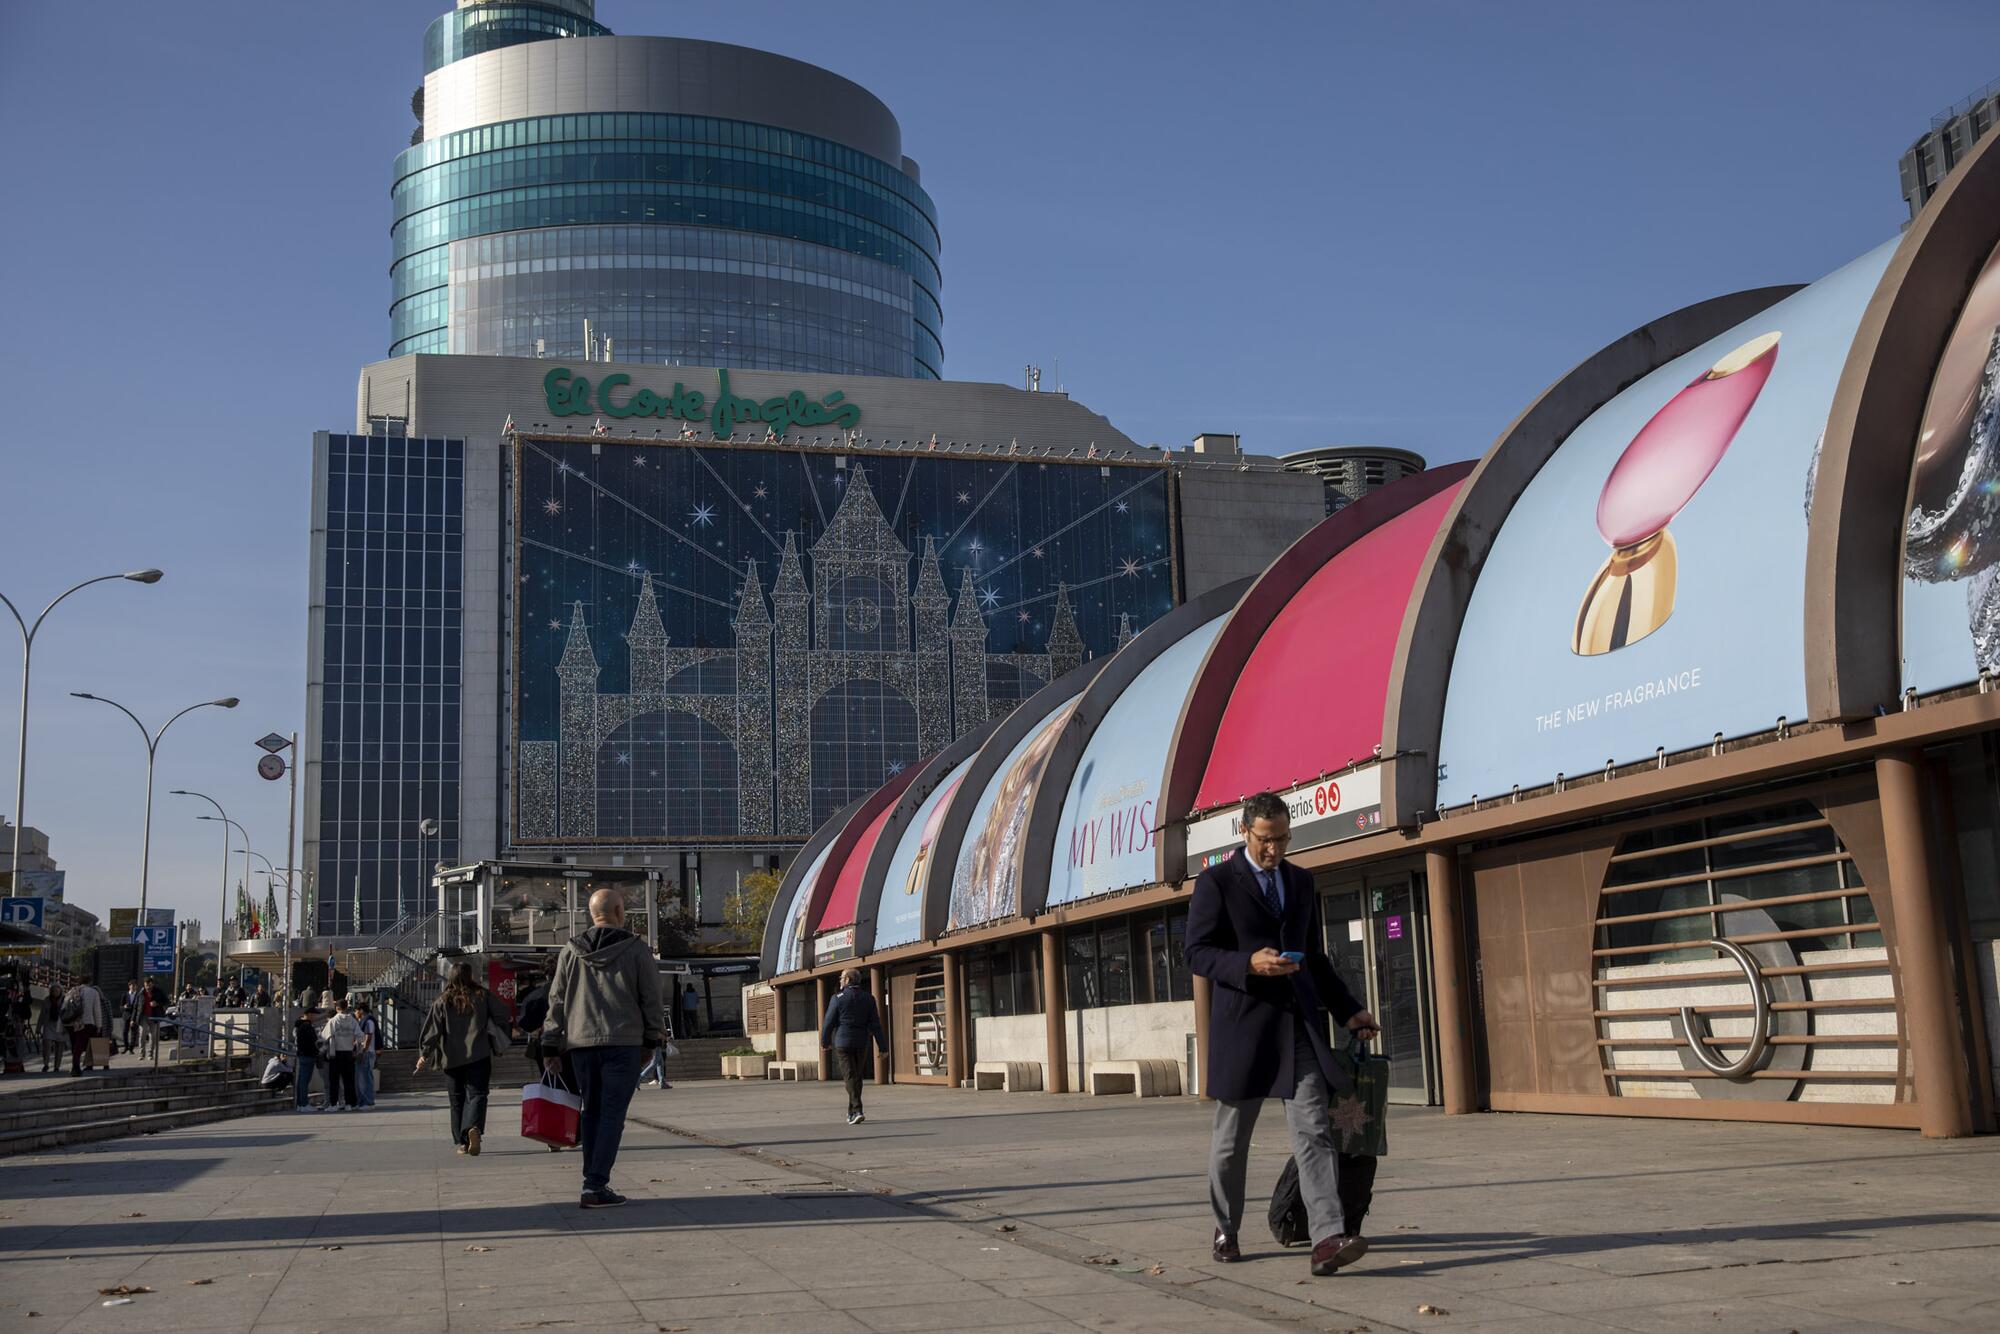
602 946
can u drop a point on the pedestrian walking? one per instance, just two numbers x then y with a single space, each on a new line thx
135 1009
149 1019
305 1038
364 1057
342 1037
86 1016
691 1011
605 1008
851 1020
656 1069
465 1029
48 1023
1254 931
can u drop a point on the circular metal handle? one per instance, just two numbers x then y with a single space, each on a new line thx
1760 1022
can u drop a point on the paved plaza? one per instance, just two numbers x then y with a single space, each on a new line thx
756 1208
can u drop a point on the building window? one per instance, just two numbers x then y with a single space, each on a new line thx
799 1016
1004 979
1138 959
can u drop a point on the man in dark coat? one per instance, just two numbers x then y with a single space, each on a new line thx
851 1020
1254 930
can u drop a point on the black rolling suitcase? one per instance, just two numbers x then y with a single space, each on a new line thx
1288 1205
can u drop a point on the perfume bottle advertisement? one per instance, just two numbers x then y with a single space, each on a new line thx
1647 590
1951 544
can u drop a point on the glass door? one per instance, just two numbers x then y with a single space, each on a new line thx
1378 940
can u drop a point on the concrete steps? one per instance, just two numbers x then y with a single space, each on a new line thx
129 1103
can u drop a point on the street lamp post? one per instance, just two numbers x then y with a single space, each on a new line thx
426 828
242 833
222 922
27 661
152 752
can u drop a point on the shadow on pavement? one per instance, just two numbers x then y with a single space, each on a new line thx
27 1179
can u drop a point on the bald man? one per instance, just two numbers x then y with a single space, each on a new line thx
605 1010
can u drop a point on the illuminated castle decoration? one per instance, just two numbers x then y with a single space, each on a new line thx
1632 594
854 663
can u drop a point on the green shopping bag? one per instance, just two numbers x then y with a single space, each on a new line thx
1361 1116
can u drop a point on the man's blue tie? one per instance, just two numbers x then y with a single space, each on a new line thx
1269 884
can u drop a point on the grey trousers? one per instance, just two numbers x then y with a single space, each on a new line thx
1312 1145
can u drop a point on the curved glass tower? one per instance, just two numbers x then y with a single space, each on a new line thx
694 202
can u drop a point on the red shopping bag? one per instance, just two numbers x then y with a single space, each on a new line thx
549 1114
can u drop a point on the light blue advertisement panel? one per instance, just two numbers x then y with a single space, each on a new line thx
1951 546
986 882
899 902
1647 591
1105 840
789 954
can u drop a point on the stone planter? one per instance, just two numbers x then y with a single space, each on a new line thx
745 1067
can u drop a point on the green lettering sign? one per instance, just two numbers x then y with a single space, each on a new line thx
571 395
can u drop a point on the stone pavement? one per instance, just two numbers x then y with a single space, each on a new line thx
756 1208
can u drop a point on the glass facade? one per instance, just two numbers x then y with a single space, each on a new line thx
388 728
682 238
488 27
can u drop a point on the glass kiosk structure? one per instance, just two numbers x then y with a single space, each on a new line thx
512 917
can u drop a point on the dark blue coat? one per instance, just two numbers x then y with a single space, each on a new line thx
851 1019
1251 1019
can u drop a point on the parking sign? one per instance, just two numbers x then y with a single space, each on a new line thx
158 942
21 912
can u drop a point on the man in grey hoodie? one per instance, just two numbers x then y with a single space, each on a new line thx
605 1010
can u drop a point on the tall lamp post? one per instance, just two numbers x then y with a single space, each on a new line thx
427 828
27 661
241 833
152 752
222 922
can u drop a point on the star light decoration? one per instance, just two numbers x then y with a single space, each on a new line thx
1129 568
1122 507
988 598
762 492
554 624
702 515
1036 553
965 497
552 507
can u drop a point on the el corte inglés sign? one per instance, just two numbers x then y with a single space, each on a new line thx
572 395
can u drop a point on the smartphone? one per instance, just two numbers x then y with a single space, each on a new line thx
1293 956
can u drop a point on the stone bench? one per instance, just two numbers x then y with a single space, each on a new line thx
1144 1079
797 1071
1008 1076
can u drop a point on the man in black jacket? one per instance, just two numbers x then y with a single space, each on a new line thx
851 1020
1254 930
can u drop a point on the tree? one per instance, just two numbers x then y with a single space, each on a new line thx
750 907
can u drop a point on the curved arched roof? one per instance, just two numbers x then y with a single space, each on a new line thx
838 887
986 877
1309 699
791 935
899 897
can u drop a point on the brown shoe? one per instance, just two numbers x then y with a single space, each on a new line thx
472 1142
1224 1248
1337 1253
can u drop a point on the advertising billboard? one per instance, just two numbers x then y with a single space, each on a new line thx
1951 545
791 939
1647 590
986 883
715 641
899 906
1105 839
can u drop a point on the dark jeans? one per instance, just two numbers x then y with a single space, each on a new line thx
79 1043
691 1021
468 1097
606 1077
853 1067
340 1087
303 1090
131 1031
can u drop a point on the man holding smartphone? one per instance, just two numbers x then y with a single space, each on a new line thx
1254 930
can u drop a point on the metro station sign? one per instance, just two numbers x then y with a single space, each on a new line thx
1329 810
572 395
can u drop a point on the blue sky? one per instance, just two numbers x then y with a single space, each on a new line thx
1308 223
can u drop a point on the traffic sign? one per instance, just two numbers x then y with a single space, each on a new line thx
21 912
274 743
158 942
271 766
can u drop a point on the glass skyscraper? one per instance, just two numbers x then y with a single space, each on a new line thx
682 201
383 749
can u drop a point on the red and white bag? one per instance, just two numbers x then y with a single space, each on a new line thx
549 1113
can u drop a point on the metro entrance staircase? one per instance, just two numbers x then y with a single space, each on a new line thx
58 1112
